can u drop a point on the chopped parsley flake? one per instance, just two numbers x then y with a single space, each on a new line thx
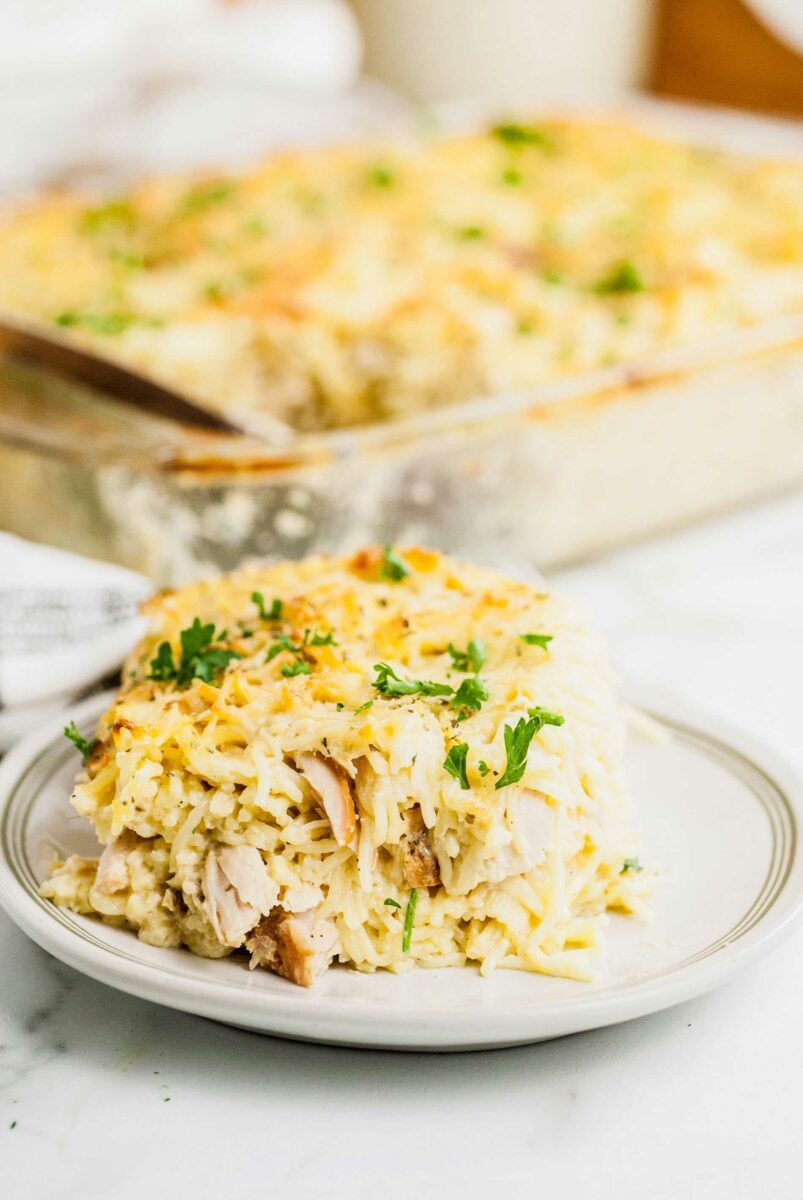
483 768
471 233
299 667
470 696
545 717
516 135
470 659
382 176
215 292
512 177
388 683
537 639
393 567
118 214
630 864
311 638
283 643
82 745
340 706
134 262
106 324
363 707
203 196
622 279
409 917
199 658
391 903
319 639
455 764
517 742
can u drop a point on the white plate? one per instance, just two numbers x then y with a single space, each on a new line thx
720 821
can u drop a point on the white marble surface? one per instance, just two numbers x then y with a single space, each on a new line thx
129 1100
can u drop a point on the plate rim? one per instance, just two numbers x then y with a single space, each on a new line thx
302 1015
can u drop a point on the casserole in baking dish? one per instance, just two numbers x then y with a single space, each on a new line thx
525 344
338 286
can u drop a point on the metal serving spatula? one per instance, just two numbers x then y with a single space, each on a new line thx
20 343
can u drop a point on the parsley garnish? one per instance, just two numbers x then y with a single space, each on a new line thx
81 744
363 707
545 717
199 659
203 196
320 639
283 643
455 764
340 706
471 233
310 639
267 614
537 639
215 292
470 696
409 917
106 324
393 567
382 176
631 864
120 213
299 667
622 279
388 683
483 768
517 742
391 903
512 177
470 659
134 262
513 134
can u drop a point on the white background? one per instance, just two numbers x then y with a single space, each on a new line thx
114 1097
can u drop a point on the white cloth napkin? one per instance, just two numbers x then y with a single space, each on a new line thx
65 623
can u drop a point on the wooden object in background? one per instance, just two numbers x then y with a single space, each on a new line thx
717 50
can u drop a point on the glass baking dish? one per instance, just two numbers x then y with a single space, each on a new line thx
545 478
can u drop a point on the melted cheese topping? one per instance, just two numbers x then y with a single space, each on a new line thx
513 876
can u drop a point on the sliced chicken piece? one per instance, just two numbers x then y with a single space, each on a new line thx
419 863
238 891
532 823
299 946
112 873
331 783
299 899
